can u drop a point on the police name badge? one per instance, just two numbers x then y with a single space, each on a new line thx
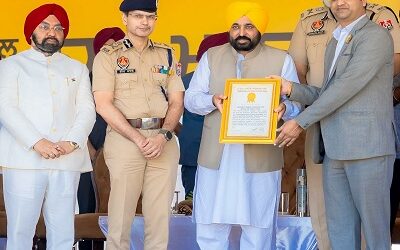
248 115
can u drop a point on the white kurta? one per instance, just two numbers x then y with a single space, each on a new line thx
44 97
230 195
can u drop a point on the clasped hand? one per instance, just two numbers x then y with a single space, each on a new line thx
51 150
152 147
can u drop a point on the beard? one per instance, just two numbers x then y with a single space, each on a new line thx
49 45
248 46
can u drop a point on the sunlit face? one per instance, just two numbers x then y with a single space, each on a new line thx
243 35
139 23
347 11
48 37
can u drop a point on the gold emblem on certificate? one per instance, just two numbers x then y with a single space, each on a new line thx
248 115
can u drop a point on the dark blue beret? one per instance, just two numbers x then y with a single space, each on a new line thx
146 5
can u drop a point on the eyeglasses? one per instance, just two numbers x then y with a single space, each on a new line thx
141 16
246 27
46 28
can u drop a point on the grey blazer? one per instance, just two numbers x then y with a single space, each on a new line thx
354 105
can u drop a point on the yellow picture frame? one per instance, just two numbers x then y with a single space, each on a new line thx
248 115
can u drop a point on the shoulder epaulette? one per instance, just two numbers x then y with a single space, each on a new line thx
312 12
109 49
376 8
161 45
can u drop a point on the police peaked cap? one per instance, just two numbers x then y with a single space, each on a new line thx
145 5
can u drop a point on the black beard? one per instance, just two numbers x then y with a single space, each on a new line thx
48 48
245 47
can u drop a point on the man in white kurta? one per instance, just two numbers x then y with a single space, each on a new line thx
233 193
47 112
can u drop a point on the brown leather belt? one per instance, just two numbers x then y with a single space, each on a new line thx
146 123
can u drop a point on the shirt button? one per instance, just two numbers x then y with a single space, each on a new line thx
53 130
53 92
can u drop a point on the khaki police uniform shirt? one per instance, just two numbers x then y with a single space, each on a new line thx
314 31
137 79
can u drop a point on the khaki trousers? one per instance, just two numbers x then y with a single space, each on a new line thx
130 175
316 196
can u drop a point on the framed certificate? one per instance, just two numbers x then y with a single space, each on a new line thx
248 115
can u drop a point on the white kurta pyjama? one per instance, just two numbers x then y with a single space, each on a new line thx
43 97
230 195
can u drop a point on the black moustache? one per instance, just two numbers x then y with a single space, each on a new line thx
243 37
50 38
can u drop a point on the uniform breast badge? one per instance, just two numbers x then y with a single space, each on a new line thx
387 24
317 28
123 64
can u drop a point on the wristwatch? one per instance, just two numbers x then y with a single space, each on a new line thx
74 144
167 134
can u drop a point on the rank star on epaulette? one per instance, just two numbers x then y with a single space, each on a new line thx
387 24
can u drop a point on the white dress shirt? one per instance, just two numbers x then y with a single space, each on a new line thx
341 34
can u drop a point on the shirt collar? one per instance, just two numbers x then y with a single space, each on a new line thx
37 55
128 44
347 29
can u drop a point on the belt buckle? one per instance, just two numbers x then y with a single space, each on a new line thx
149 123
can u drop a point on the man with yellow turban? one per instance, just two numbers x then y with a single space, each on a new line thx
237 183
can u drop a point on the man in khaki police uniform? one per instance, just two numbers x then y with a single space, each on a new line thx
307 48
139 92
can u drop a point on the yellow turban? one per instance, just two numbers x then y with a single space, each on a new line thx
257 14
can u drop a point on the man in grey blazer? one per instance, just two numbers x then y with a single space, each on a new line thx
355 112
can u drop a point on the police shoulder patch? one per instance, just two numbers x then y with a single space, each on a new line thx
109 49
313 12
